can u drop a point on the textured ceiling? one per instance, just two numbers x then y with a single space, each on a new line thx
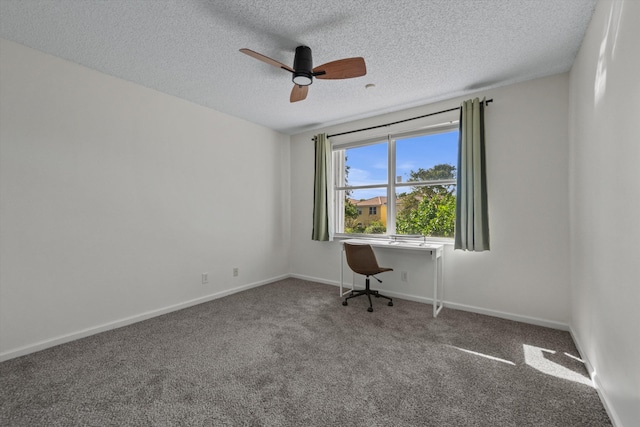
416 51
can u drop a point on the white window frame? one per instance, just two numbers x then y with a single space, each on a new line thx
338 164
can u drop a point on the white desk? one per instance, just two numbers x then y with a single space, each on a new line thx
433 249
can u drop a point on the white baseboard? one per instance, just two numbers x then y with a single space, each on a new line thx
315 279
463 307
613 416
42 345
509 316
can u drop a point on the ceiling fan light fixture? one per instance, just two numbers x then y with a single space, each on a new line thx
302 79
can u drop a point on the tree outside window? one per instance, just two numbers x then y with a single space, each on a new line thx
428 210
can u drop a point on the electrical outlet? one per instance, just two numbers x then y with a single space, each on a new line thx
205 278
403 276
236 271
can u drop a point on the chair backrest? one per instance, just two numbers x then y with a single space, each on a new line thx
362 260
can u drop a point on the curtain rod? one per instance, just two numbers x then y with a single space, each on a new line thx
401 121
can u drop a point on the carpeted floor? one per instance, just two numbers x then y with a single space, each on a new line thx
289 354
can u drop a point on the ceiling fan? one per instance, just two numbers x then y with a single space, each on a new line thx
303 71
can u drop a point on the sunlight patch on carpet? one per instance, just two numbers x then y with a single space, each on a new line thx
538 358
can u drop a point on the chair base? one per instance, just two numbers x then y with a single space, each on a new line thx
368 292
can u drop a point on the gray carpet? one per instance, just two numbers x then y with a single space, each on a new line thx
289 354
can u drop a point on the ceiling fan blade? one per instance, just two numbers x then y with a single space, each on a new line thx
341 69
266 59
298 93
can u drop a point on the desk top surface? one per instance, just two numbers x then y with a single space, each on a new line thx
399 244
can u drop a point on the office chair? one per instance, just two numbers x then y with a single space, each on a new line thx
362 260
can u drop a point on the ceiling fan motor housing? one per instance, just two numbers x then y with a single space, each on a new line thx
303 66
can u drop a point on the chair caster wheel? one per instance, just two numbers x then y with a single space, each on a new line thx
369 309
390 303
344 303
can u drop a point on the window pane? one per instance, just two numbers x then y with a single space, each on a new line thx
365 211
427 157
366 165
426 210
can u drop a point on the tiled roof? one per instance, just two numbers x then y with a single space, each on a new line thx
374 201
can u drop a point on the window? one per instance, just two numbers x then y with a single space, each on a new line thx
406 180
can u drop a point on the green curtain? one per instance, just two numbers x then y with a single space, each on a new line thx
472 220
321 196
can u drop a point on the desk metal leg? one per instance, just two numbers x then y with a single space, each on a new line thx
437 280
440 265
341 270
435 286
342 291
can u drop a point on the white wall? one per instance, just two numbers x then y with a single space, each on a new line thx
605 205
115 198
525 275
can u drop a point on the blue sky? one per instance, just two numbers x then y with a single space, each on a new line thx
368 165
